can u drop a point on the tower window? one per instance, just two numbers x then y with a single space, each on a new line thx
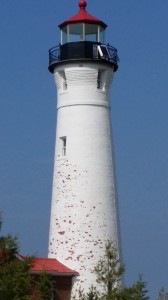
100 79
63 145
65 85
64 81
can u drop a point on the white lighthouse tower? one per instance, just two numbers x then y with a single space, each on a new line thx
84 214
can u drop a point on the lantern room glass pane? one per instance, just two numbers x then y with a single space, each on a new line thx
91 32
102 35
76 32
64 33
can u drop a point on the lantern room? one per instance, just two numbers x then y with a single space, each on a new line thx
82 38
82 27
82 32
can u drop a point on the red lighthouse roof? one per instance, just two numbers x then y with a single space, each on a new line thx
83 16
50 265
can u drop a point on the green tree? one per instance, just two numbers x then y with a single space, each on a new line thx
137 291
140 289
162 294
44 286
14 273
16 282
109 269
92 294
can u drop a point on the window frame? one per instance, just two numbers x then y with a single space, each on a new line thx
63 146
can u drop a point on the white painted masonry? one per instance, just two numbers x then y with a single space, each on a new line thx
84 211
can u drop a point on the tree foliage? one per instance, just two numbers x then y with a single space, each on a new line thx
137 291
44 287
162 294
14 273
16 282
109 269
92 294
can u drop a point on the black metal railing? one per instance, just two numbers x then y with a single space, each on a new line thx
81 51
54 54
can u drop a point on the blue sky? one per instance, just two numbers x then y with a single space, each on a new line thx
139 118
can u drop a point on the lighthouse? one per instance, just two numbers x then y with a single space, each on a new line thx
84 209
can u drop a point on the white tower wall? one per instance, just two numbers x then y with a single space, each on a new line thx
84 201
